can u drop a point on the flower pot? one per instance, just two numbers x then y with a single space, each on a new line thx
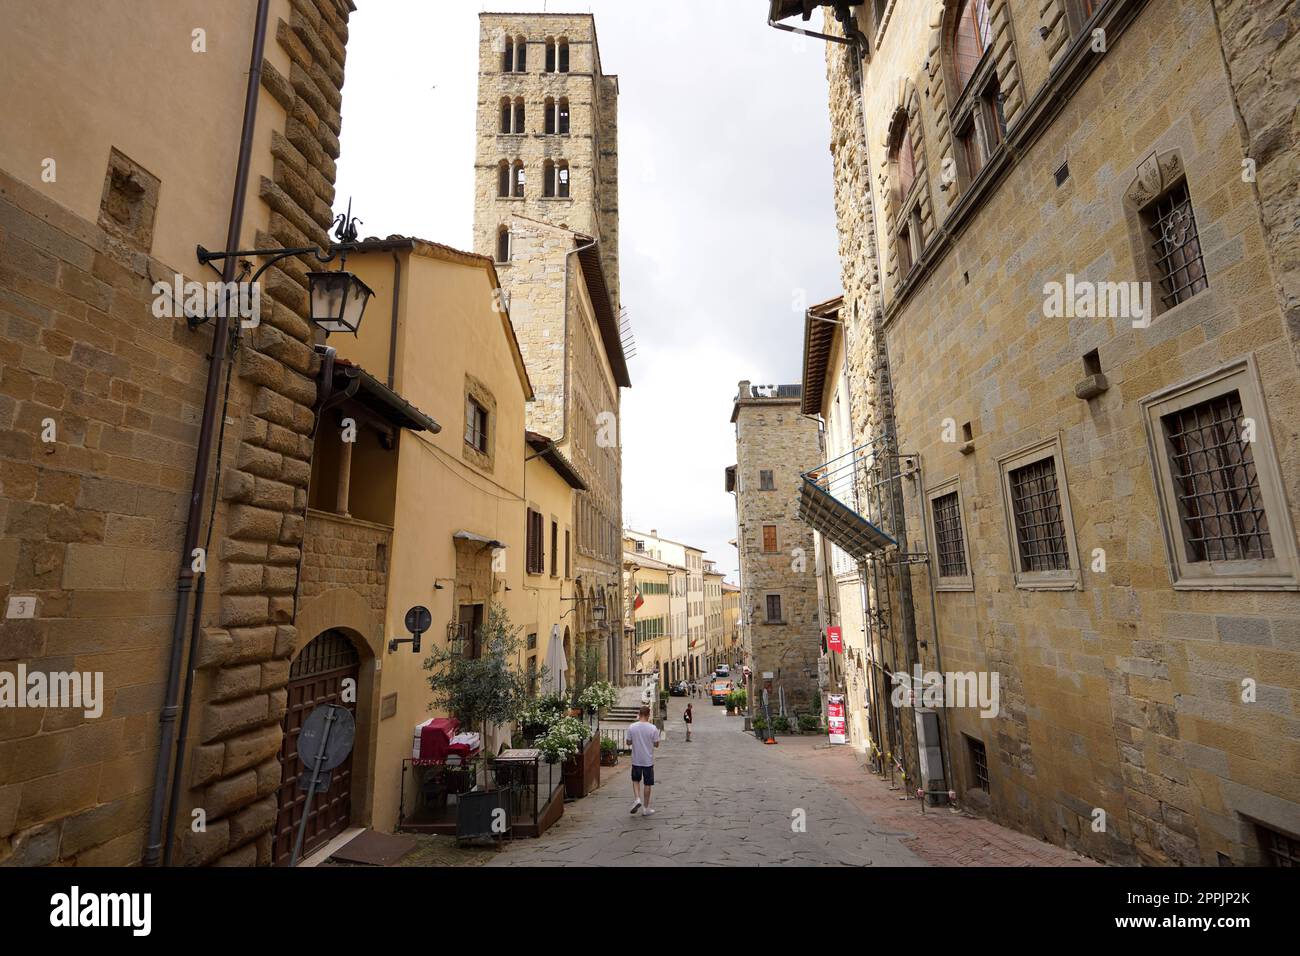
609 759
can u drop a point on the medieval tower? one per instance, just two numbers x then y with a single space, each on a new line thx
546 210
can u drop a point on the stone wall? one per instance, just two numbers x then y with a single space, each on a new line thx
1123 693
94 519
1261 43
771 435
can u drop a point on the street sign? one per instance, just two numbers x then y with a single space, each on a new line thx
337 746
418 620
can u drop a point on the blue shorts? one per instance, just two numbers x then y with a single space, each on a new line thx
644 775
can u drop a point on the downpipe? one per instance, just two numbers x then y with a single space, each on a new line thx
203 459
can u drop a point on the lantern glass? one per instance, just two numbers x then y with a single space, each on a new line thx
338 301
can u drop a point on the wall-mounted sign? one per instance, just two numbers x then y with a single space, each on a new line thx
835 639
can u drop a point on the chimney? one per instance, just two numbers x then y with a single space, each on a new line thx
744 389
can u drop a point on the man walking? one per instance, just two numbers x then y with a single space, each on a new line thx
643 737
690 719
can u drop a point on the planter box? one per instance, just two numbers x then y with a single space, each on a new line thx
582 773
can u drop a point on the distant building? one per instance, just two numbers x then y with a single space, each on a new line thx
780 635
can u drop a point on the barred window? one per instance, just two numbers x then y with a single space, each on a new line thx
1213 467
979 760
774 608
1280 849
1040 527
1178 261
948 536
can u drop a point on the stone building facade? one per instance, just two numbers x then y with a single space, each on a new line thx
987 157
775 445
100 200
546 209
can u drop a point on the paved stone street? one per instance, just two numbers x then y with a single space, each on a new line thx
727 800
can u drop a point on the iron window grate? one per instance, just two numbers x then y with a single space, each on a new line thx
947 527
1214 475
1178 246
330 651
979 763
1040 527
1279 848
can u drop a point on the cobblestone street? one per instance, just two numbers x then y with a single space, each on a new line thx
726 800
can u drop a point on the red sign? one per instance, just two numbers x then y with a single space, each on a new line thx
834 640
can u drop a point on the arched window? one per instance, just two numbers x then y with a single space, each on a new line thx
506 115
975 96
520 127
904 160
521 55
562 55
972 35
503 244
550 116
555 179
562 117
518 179
503 180
906 204
508 57
550 54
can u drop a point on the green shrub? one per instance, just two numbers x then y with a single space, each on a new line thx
741 699
781 724
608 745
809 724
760 724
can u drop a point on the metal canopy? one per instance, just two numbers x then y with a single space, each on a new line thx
471 536
840 524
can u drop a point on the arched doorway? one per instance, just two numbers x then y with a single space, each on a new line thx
317 677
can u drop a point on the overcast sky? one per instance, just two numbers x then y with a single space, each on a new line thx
727 216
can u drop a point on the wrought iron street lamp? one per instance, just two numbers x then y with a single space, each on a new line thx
338 299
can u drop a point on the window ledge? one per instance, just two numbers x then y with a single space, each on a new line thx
956 585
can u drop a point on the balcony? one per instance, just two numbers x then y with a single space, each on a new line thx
841 501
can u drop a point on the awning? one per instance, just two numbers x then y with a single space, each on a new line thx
471 536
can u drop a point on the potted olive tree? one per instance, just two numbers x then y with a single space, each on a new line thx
481 692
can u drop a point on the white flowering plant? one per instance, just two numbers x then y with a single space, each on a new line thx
563 740
598 696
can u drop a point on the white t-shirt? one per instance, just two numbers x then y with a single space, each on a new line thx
643 736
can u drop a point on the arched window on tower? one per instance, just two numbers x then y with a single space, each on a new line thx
521 55
549 106
506 115
503 180
548 179
562 117
519 179
562 54
550 54
508 57
562 180
503 244
520 117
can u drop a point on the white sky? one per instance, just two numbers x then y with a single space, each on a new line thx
727 215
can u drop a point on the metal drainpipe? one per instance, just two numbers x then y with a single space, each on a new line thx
203 454
944 736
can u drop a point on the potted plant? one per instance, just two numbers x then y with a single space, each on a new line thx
608 752
809 724
781 724
483 691
538 715
598 697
